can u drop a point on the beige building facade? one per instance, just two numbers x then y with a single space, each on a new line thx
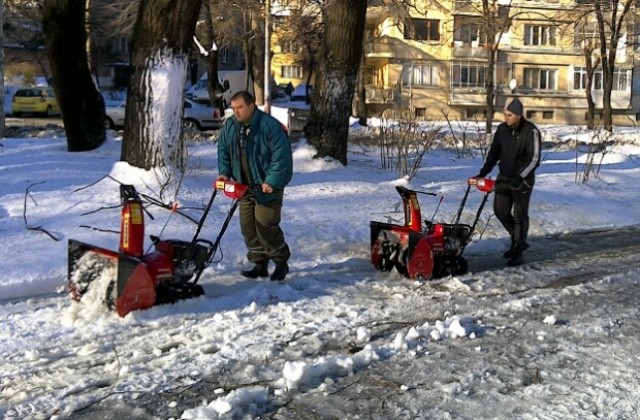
433 60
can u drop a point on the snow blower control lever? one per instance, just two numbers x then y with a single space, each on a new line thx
129 279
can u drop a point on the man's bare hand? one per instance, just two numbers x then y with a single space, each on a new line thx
222 178
266 188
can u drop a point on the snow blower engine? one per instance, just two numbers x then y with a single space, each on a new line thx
129 279
428 251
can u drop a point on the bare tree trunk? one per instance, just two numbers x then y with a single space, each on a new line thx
162 38
360 102
591 70
490 34
212 59
81 104
328 127
257 54
611 23
2 114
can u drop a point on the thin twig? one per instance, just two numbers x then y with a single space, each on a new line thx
24 214
100 230
95 182
100 209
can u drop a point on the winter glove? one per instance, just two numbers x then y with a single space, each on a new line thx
516 182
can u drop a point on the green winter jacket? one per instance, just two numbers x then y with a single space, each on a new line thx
268 153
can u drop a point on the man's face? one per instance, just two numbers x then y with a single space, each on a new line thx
242 110
510 118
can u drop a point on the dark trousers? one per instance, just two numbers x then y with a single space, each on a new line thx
260 226
511 207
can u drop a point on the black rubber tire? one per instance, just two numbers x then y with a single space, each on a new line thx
109 124
191 124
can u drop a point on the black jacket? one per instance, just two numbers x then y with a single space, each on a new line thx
517 149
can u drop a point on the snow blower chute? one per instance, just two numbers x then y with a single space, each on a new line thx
128 279
432 250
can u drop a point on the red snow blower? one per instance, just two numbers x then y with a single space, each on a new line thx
430 251
128 279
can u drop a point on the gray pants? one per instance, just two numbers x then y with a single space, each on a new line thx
260 225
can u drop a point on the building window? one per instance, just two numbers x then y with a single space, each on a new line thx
469 34
580 79
123 45
547 115
278 22
468 75
635 36
539 35
291 72
621 79
422 29
420 75
225 55
540 79
289 47
369 76
420 112
586 35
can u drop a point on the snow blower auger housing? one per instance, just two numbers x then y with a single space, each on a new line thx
127 279
426 250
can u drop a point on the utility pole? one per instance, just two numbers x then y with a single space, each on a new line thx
267 56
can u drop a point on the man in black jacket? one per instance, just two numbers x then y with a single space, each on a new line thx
516 145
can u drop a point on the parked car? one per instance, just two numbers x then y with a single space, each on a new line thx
195 116
202 117
115 115
300 92
36 100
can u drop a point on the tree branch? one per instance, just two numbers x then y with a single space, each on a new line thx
24 214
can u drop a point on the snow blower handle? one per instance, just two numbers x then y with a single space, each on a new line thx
485 185
231 189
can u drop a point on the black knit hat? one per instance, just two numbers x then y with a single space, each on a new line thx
515 106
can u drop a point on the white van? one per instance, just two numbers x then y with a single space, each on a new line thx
232 81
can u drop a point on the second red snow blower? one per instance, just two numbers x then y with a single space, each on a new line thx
429 250
128 279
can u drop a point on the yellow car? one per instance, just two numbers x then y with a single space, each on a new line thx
35 100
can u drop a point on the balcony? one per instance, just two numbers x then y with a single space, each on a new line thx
468 97
468 50
467 7
376 95
380 48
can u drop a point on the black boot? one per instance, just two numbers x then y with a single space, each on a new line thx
281 271
516 255
258 270
509 253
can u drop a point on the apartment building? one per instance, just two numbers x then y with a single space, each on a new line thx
434 60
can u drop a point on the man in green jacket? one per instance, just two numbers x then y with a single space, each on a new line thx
254 149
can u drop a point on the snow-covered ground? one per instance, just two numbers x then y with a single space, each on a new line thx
266 344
